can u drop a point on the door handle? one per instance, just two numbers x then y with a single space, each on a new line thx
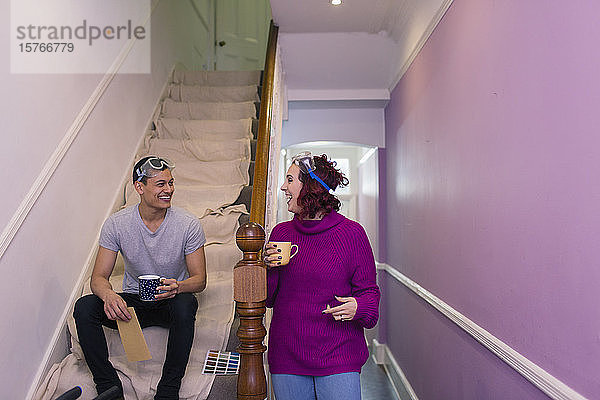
222 43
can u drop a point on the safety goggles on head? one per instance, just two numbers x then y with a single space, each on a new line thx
306 163
151 165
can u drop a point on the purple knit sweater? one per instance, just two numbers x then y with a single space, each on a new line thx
334 259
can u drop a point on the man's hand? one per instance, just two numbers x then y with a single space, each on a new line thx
170 288
115 307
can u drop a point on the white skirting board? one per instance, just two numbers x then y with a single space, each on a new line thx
383 356
547 383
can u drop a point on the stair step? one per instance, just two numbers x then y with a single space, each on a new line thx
207 149
197 199
192 93
207 110
223 387
212 173
217 78
173 128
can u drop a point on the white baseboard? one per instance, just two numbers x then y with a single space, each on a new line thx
378 352
383 356
54 350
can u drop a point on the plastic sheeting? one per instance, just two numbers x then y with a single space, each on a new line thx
211 93
171 128
207 110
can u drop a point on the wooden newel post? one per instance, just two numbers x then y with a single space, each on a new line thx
250 293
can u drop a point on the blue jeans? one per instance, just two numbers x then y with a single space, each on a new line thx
305 387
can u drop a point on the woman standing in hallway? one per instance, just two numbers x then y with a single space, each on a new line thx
326 296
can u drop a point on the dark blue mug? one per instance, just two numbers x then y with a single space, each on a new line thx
148 285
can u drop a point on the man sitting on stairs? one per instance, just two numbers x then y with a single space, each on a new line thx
154 238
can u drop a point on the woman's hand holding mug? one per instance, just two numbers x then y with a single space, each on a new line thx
277 254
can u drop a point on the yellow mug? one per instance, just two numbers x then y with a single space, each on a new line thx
286 251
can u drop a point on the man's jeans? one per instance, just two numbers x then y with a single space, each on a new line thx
177 314
304 387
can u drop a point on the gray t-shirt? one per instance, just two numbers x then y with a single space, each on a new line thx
145 252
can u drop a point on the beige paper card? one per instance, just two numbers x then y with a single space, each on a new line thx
133 339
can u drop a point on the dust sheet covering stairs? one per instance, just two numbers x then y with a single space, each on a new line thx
205 126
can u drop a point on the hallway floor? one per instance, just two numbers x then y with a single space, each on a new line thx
375 384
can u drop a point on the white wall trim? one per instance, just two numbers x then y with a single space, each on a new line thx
51 165
384 356
547 383
415 51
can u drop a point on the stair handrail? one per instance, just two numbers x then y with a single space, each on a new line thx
259 189
249 275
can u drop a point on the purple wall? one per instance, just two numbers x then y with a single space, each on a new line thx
493 198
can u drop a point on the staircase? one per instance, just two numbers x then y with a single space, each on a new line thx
229 97
206 125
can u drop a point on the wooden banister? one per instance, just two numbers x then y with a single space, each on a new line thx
249 275
261 166
249 292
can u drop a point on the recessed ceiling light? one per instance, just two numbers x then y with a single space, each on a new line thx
336 2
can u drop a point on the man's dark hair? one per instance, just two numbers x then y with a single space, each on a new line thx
138 165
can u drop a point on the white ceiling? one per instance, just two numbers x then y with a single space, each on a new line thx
371 16
357 50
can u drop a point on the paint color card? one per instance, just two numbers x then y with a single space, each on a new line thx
221 363
133 339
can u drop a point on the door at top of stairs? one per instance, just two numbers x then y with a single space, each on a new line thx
241 33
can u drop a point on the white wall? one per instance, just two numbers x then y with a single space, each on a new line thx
368 197
45 260
338 60
329 122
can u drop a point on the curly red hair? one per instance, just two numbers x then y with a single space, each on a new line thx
314 198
